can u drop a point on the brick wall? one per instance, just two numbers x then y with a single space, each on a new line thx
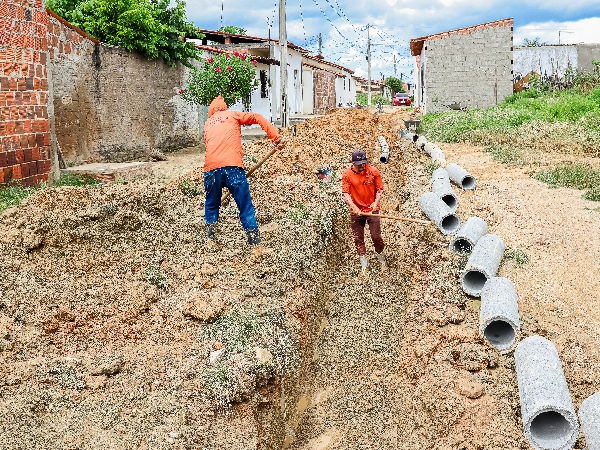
472 65
323 92
112 105
24 124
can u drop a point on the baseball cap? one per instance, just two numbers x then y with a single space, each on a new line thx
359 157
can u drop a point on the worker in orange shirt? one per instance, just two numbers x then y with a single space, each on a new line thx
362 188
224 167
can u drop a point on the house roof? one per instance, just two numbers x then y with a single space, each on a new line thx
219 36
365 80
328 63
416 44
325 70
260 59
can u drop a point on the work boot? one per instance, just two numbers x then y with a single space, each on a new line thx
381 259
210 234
255 241
364 263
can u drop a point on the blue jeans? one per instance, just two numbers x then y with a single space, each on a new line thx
234 179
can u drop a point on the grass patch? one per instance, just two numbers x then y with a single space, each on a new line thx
507 155
155 277
519 257
13 195
576 176
431 167
363 99
77 180
593 194
190 189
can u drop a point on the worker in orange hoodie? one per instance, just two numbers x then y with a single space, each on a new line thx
224 167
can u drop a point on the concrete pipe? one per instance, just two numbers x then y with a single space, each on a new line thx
549 419
437 154
435 209
482 264
428 148
499 314
385 150
443 189
466 238
403 134
589 416
420 142
461 177
439 174
409 136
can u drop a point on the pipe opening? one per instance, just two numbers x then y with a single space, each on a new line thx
383 159
500 334
474 280
451 223
450 201
468 182
462 245
550 429
415 137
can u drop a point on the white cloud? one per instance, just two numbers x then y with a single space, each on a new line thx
585 30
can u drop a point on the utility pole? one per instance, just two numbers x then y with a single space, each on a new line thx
395 74
320 45
369 62
283 73
561 31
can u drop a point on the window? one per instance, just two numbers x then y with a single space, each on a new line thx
263 84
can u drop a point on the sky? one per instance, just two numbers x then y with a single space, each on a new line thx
393 23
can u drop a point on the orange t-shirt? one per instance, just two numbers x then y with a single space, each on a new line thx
362 186
224 140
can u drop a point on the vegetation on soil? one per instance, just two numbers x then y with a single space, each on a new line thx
151 27
576 176
519 257
363 99
155 277
430 167
540 119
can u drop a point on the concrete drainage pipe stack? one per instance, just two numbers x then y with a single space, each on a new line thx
428 148
549 419
435 209
589 416
483 264
438 155
499 315
441 187
385 150
461 177
466 238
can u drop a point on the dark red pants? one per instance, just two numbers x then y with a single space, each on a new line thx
357 224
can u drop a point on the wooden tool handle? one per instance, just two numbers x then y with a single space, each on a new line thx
251 171
426 222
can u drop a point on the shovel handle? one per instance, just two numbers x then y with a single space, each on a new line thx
251 171
425 222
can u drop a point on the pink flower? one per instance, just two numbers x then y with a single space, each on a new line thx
218 69
209 60
226 55
254 62
236 54
228 67
245 68
243 58
181 92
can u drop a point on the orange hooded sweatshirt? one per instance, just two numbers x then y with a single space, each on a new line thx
223 136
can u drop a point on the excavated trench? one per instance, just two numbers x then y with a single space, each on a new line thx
113 314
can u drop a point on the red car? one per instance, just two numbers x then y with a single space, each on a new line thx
402 99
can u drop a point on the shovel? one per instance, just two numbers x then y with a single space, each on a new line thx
425 222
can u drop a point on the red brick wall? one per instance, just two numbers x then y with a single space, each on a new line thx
323 92
24 125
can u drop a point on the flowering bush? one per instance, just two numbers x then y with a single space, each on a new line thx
229 75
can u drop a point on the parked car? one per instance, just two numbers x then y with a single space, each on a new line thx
402 99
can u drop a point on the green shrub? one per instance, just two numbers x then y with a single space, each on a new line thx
363 99
232 76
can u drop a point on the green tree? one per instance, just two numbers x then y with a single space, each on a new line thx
151 27
232 30
533 42
395 85
233 76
